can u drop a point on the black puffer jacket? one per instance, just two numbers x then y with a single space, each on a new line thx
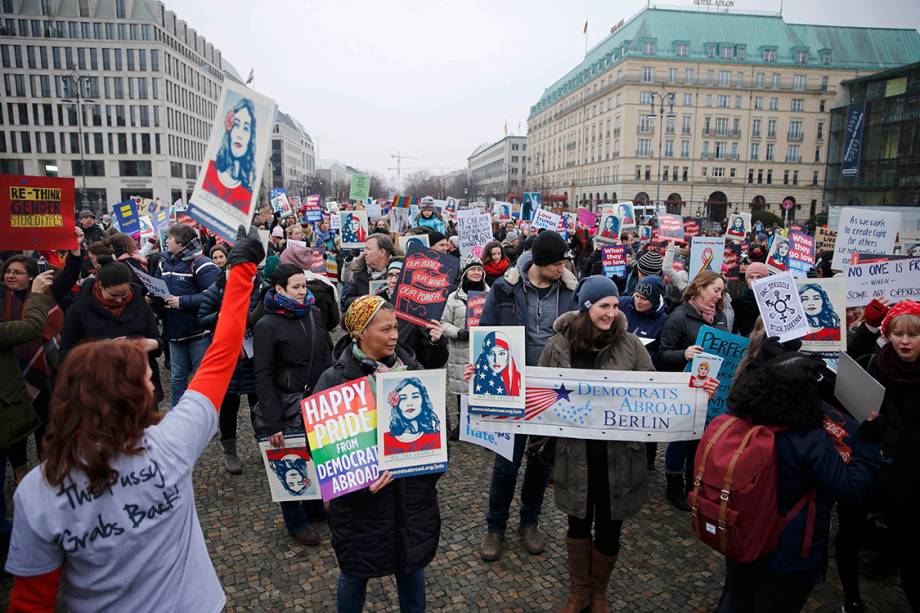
290 355
679 332
244 379
396 530
746 312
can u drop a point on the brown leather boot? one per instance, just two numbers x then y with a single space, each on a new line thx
601 569
579 575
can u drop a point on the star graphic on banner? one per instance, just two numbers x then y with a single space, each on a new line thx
562 393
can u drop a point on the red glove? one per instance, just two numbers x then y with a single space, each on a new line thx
875 313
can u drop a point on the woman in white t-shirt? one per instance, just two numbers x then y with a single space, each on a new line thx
109 517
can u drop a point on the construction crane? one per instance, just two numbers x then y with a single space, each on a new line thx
399 157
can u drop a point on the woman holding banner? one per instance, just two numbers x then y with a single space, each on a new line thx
393 527
702 306
597 484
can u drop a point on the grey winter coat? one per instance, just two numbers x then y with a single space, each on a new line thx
453 320
626 463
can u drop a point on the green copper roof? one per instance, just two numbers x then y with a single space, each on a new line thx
849 47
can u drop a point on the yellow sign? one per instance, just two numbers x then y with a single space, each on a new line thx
35 193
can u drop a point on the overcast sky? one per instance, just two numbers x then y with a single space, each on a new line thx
434 79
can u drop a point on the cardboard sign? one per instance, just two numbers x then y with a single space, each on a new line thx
474 232
780 307
475 302
604 405
693 226
778 255
627 214
155 286
824 302
609 229
825 239
501 443
731 260
864 231
353 227
313 210
227 189
801 253
341 426
670 227
126 217
614 260
706 254
502 209
739 224
586 217
405 241
412 418
37 213
360 188
895 280
545 219
498 384
424 284
729 347
704 367
290 470
858 391
399 220
373 211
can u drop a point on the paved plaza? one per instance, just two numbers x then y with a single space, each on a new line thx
662 566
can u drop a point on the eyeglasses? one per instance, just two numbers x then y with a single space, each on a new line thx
16 273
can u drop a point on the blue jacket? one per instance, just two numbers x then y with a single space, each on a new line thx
187 274
434 223
646 325
838 465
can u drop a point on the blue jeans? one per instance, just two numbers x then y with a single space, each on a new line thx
678 459
410 588
185 356
295 514
504 478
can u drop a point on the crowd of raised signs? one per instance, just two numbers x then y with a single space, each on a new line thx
803 340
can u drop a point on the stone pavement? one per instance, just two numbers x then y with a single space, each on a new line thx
662 567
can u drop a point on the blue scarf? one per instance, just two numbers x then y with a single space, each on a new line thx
282 305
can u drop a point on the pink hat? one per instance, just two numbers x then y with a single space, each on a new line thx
757 270
278 232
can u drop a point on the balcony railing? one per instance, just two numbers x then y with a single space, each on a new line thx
796 137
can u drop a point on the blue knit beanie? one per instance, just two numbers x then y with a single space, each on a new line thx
594 288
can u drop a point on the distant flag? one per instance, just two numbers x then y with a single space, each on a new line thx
585 29
403 202
506 127
252 71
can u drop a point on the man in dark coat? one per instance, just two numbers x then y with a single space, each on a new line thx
92 233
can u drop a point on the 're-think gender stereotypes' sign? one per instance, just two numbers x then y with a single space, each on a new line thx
341 426
36 213
424 284
607 405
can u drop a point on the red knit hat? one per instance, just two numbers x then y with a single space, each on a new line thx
905 307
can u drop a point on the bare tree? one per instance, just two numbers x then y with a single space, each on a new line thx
379 186
422 183
460 186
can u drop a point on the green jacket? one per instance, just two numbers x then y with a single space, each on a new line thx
18 418
626 467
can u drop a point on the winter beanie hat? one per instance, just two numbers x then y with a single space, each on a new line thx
548 248
594 288
650 263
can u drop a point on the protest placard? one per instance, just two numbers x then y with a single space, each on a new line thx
670 227
568 223
729 347
895 280
546 219
739 224
825 239
157 287
360 188
37 213
126 217
474 231
693 226
227 188
313 211
502 209
609 405
290 470
614 260
801 257
610 226
531 202
501 443
353 227
706 254
858 391
704 367
731 260
341 426
374 211
586 217
498 384
645 233
824 303
475 301
405 241
399 220
627 214
780 307
778 254
864 231
424 284
412 422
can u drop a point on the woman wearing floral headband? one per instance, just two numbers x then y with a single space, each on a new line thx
393 527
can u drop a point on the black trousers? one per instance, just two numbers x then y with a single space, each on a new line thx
748 589
606 530
229 409
18 450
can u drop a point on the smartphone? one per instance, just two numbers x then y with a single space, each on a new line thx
43 266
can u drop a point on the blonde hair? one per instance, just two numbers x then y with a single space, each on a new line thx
911 324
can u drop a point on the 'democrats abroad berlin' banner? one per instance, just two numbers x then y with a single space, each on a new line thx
607 405
37 213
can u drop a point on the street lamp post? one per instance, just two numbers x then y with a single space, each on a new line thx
663 97
80 101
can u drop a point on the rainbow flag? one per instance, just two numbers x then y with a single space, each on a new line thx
403 202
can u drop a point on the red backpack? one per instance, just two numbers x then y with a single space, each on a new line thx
733 501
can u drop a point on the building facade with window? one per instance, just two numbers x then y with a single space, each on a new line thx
496 170
705 112
139 83
293 159
876 161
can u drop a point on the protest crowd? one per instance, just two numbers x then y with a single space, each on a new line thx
323 304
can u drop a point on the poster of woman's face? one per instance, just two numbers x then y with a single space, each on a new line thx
824 301
353 226
626 213
405 241
610 226
497 354
411 422
778 258
737 225
290 471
